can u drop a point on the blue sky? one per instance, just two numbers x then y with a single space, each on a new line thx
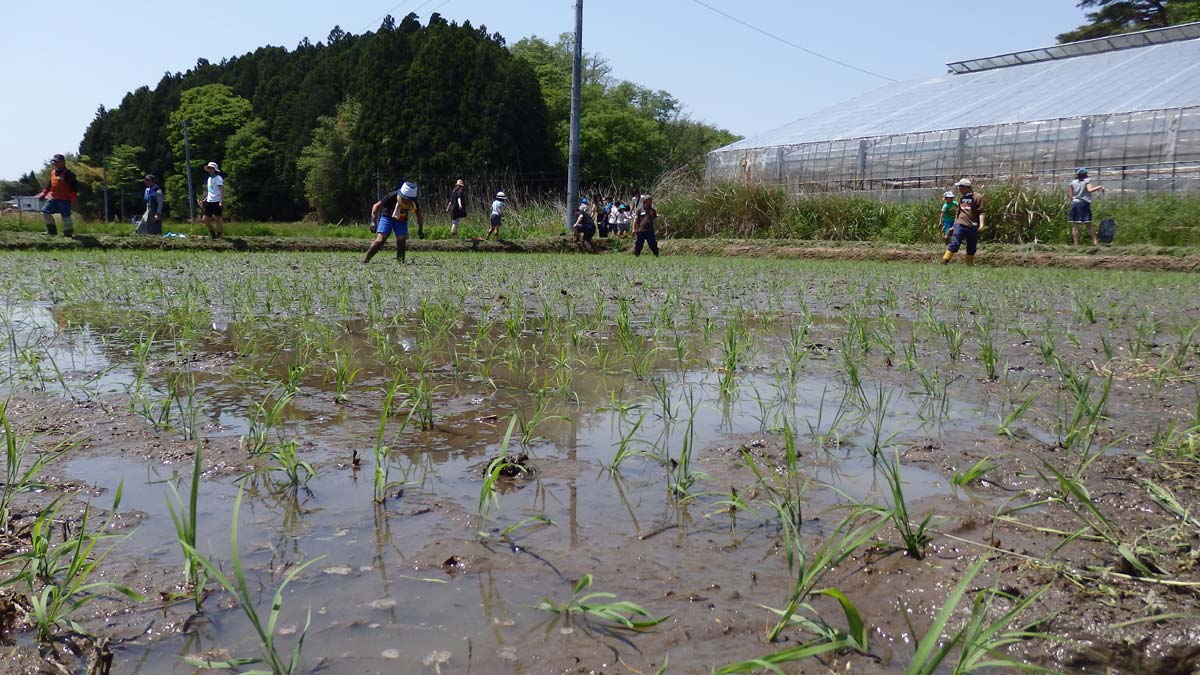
61 63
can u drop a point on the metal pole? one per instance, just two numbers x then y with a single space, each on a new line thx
378 194
187 166
105 163
573 153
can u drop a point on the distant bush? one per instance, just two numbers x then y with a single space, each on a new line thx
1016 214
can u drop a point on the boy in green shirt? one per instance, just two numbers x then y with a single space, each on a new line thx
949 211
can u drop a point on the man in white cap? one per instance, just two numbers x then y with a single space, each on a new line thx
214 200
968 222
392 214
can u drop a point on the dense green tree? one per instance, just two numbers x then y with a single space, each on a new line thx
1112 17
249 169
213 113
628 134
323 164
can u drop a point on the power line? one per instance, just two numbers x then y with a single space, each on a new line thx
792 44
388 13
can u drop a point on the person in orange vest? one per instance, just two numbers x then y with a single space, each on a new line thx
62 189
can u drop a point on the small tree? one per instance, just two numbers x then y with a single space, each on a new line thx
323 163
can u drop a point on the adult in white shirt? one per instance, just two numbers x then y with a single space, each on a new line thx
214 200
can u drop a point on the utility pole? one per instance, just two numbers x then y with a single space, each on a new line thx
573 153
187 165
105 164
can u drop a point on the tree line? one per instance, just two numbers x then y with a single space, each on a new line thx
320 128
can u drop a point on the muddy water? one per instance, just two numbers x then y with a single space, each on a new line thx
380 594
382 598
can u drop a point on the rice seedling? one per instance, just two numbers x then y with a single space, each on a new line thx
271 656
489 495
1006 426
619 614
344 374
296 472
810 568
59 577
266 420
974 473
19 479
382 484
913 538
683 476
877 420
183 517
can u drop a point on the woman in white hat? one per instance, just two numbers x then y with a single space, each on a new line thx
214 200
497 216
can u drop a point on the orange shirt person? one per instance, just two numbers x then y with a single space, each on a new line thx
59 193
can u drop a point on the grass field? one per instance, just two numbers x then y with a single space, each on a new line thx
547 463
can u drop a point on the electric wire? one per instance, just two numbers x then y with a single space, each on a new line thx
792 44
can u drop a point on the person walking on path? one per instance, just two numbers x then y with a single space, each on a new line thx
585 229
1080 194
214 200
457 207
643 226
968 222
949 212
392 214
59 193
497 216
151 222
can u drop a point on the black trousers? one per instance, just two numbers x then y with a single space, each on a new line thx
645 238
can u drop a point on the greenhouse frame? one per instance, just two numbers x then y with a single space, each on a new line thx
1126 107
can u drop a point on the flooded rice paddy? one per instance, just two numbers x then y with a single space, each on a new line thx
809 467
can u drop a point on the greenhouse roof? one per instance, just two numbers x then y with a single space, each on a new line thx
1155 76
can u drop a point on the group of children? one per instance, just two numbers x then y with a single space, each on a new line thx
607 216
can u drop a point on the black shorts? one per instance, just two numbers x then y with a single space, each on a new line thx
212 208
1081 212
495 220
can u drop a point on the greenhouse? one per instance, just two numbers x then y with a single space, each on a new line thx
1127 107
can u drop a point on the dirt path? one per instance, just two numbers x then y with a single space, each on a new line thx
1153 258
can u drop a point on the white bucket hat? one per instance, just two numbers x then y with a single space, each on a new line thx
965 182
213 166
501 196
408 190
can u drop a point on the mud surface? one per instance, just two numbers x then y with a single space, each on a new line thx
653 404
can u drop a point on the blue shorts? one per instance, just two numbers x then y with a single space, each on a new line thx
60 206
1081 212
388 226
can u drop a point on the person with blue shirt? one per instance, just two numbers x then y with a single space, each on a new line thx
151 222
392 214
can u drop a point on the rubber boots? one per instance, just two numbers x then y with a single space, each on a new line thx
947 256
970 260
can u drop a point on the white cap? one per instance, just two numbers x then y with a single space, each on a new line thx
408 190
213 166
501 195
948 195
965 182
